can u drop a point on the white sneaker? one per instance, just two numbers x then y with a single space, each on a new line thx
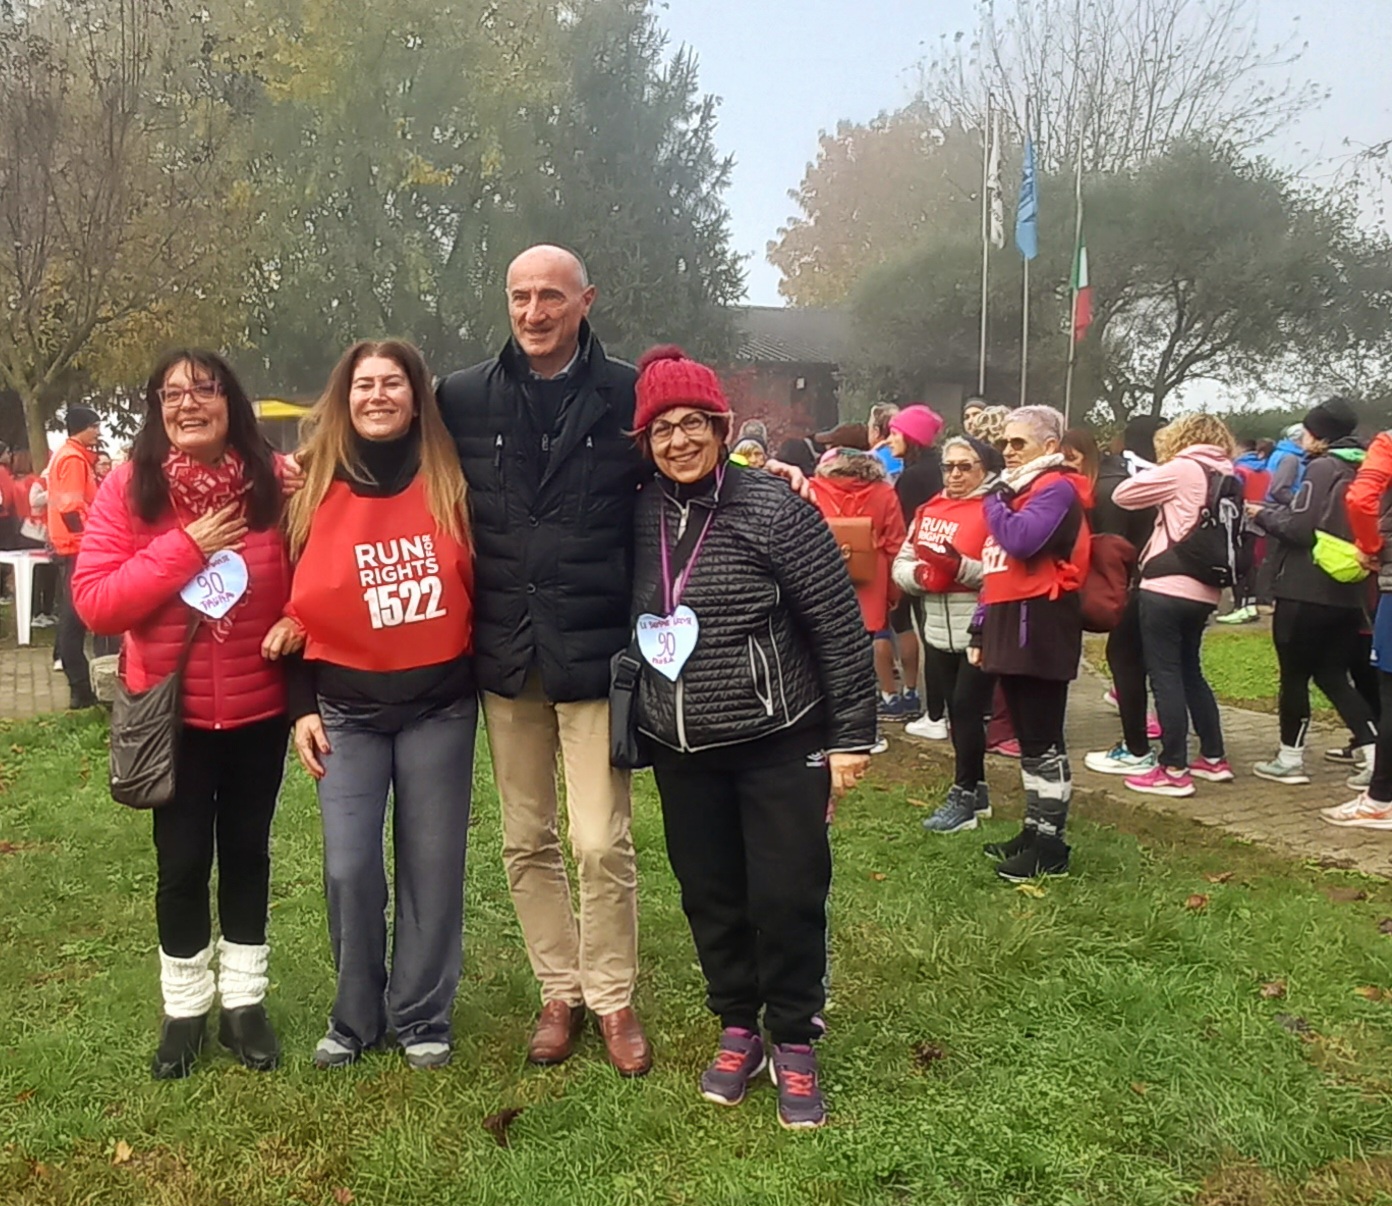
880 746
927 728
1359 813
1109 697
1119 761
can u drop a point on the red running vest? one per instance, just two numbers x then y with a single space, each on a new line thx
960 522
1006 579
380 587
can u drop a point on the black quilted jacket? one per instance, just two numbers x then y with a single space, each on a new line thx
781 637
553 525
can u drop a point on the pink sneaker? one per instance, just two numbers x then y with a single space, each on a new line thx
1152 727
1009 748
1359 813
1215 770
1162 782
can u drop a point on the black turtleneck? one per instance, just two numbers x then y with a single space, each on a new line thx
387 468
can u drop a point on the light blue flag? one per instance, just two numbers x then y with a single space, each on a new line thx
1027 215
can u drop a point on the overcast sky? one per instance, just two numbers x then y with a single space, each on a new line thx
789 69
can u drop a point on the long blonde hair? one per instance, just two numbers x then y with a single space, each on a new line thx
326 445
1184 431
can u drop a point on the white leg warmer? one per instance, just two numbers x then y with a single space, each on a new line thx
187 984
242 975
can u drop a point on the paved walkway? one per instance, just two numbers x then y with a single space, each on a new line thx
1272 814
28 683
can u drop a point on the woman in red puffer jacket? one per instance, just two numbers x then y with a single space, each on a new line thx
201 482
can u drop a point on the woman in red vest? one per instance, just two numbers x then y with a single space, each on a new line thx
183 544
384 700
1029 630
941 562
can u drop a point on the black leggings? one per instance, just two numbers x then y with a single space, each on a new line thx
1126 660
968 692
1037 707
225 796
1314 640
1380 789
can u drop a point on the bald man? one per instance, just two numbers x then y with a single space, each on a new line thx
553 480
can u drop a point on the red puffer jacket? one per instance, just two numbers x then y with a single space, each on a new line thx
127 580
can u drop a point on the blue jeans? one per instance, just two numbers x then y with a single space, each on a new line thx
425 758
1172 634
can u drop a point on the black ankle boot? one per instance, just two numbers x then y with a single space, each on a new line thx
247 1033
1003 850
181 1039
1044 856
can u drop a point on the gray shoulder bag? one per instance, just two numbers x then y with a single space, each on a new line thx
145 728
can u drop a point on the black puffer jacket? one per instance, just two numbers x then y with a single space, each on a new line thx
552 519
781 639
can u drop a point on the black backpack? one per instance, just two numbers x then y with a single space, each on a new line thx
1212 551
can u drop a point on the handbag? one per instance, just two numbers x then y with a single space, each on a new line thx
145 727
628 748
856 539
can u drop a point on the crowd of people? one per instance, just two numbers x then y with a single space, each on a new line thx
592 558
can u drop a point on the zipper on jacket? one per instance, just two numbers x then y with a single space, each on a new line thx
681 716
498 453
765 697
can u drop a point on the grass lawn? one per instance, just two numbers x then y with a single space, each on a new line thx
1108 1040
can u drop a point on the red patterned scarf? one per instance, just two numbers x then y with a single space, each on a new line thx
199 489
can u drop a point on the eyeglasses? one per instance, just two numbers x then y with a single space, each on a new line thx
172 396
692 425
1016 443
951 467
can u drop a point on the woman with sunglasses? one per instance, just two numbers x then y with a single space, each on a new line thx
1029 629
940 566
756 694
183 545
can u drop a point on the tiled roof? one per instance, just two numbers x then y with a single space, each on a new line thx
790 335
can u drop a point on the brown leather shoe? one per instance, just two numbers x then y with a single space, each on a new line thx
557 1028
626 1043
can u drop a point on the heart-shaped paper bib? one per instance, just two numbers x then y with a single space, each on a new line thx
215 589
667 641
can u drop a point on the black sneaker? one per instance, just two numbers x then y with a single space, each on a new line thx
80 698
793 1069
1004 850
1347 754
247 1033
739 1059
181 1039
1043 856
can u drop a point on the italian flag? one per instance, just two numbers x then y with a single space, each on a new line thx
1082 291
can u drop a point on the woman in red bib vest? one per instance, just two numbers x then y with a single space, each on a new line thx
1029 629
939 567
384 700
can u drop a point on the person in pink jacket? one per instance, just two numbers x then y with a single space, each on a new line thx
1175 604
185 539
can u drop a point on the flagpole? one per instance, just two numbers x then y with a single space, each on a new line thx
985 242
1073 280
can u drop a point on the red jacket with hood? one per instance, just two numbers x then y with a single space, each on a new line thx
868 493
128 577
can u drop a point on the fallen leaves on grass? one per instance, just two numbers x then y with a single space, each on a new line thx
24 1095
1221 877
1385 926
1029 889
1197 902
1296 1025
123 1153
1273 990
1371 992
1139 1088
925 1055
918 803
11 847
343 1196
1344 895
497 1124
878 876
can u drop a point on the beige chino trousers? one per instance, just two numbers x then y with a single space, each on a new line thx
591 959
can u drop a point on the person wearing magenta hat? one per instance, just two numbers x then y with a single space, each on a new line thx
755 696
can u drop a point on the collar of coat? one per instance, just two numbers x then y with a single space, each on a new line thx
589 357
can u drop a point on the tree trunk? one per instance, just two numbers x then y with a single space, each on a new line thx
32 405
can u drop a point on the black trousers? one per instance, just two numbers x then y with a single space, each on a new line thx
1037 707
1173 631
1126 660
1316 641
967 689
1365 675
71 632
1380 788
747 839
225 796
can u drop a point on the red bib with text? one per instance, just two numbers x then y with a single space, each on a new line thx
380 586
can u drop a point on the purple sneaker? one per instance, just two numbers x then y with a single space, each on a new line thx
794 1070
739 1060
